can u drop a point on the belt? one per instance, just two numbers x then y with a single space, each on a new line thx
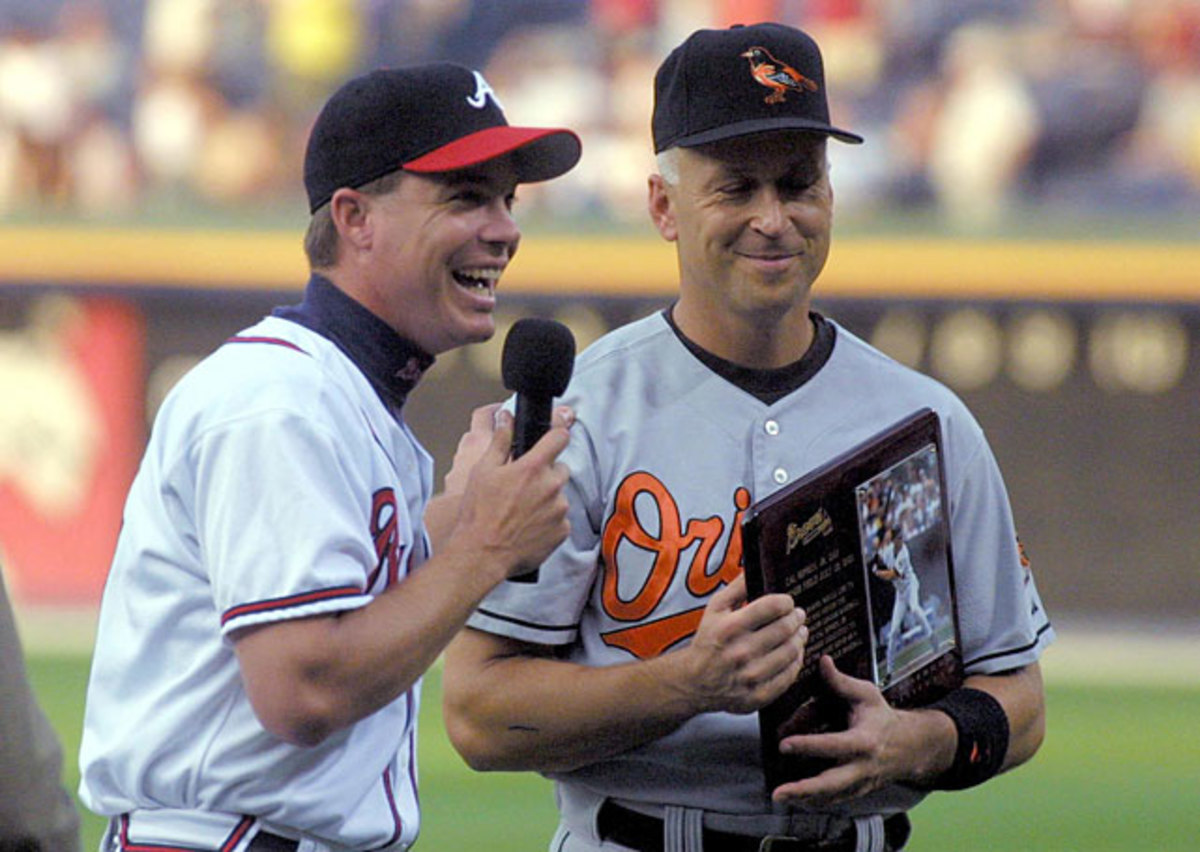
265 841
645 833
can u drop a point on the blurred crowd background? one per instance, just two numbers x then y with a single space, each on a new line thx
979 114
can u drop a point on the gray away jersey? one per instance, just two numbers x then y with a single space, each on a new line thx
665 457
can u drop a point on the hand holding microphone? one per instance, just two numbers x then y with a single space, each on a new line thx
537 361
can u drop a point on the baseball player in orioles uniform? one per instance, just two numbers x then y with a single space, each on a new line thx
655 513
671 445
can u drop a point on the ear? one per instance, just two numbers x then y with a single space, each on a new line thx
662 212
350 212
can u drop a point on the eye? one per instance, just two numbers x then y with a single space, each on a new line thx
799 186
470 196
736 188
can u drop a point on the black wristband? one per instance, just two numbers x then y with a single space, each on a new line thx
983 733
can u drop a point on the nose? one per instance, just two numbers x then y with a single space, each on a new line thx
769 216
499 227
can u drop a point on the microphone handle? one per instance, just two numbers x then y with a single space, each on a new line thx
530 422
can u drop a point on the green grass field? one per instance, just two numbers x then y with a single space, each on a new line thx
1120 772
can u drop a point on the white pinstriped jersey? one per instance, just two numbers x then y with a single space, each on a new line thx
665 456
277 484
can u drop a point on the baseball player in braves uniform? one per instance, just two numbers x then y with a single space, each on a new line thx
282 580
630 671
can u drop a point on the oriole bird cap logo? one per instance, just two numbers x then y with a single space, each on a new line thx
775 75
708 88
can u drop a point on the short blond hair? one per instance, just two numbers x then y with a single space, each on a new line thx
321 238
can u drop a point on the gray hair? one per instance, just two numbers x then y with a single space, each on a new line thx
668 165
321 238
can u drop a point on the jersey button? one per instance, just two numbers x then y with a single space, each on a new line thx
771 427
780 475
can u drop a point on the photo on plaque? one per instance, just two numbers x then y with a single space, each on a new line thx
902 531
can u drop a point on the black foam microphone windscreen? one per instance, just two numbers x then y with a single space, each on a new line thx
538 357
536 364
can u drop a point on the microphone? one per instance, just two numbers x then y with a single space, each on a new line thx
538 357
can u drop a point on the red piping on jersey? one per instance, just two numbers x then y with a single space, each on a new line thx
412 753
391 800
285 603
276 341
227 846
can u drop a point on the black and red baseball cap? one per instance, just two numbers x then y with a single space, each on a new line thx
719 84
437 117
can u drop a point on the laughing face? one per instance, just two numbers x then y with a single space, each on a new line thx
438 246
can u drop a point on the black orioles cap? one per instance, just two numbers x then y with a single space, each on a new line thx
438 117
720 84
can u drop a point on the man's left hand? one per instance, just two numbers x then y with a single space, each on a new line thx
881 746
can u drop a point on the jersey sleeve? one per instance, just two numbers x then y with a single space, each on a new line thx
547 611
279 518
1003 623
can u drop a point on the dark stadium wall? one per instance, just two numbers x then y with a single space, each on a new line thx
1094 419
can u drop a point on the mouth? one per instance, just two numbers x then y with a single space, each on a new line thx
771 259
479 280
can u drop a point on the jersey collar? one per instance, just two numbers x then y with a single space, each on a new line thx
770 385
391 363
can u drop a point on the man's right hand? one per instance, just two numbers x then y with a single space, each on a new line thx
515 510
744 653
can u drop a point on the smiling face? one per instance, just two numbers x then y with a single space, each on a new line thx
427 256
751 218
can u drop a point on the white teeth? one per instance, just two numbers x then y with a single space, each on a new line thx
482 277
490 273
